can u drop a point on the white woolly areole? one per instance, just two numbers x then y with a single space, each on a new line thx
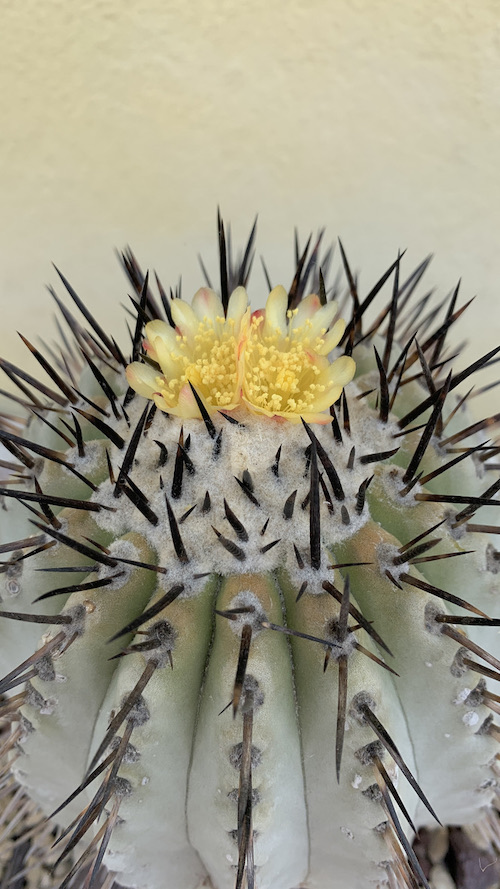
249 447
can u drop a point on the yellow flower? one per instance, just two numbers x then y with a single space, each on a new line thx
287 370
204 349
274 362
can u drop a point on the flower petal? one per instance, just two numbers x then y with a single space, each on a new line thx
155 330
306 309
164 356
238 304
275 319
333 337
184 317
322 319
206 304
342 370
142 378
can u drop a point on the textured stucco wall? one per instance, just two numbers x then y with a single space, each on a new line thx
129 120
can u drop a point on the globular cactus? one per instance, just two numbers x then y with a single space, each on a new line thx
267 590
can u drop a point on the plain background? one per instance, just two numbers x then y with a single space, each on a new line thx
129 121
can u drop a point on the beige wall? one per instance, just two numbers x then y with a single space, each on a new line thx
129 120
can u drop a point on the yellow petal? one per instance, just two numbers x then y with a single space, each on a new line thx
276 308
322 319
142 378
333 337
159 330
164 357
184 317
238 304
206 304
306 309
342 370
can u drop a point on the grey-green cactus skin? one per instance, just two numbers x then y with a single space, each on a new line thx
265 690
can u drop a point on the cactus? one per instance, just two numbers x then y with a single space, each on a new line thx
265 591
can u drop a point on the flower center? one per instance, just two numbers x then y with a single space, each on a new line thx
281 372
208 360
